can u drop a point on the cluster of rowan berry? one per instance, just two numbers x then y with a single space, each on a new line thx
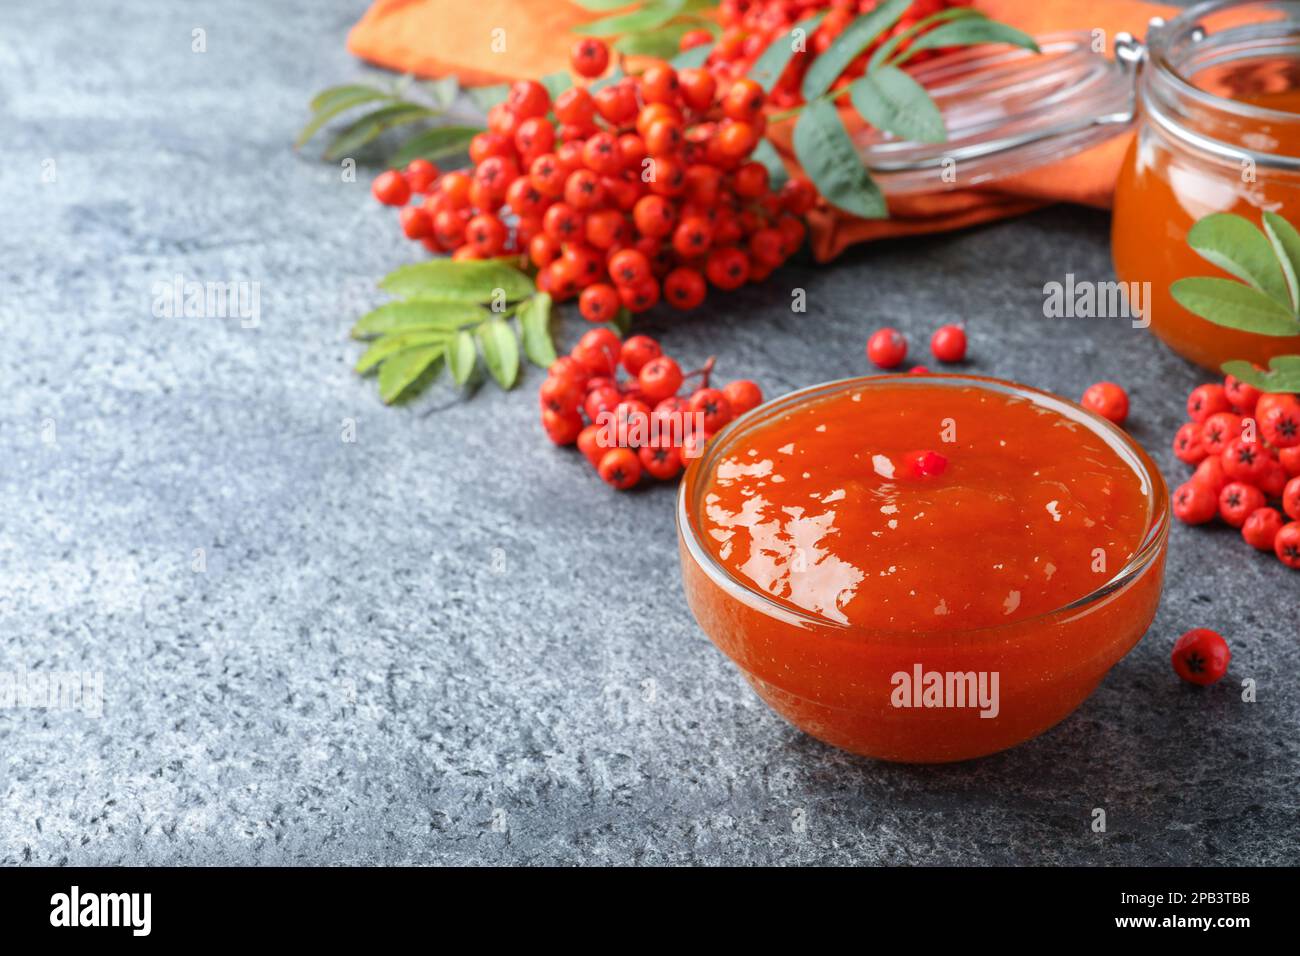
641 190
641 425
751 26
1246 448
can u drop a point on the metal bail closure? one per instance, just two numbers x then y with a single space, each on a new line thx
1007 111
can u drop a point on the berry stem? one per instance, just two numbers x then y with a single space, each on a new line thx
704 371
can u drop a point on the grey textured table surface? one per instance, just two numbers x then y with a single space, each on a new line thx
445 642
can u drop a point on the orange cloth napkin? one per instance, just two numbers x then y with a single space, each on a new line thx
491 41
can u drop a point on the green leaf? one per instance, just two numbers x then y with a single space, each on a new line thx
445 90
500 351
486 97
826 153
892 101
766 154
649 15
968 31
409 316
661 43
362 131
1286 247
694 57
601 6
462 357
535 330
556 83
445 280
1235 306
885 49
391 345
436 143
771 63
1284 374
1237 247
334 95
340 100
401 371
857 36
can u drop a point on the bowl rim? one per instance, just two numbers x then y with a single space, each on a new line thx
1152 544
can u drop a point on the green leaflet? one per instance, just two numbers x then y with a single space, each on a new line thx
1236 246
435 143
1283 376
766 154
535 330
827 155
368 127
445 280
500 351
1234 305
968 31
892 101
857 36
411 316
391 345
886 49
333 102
1286 247
462 357
402 371
652 14
771 63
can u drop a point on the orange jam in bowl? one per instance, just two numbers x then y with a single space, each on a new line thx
1218 132
918 616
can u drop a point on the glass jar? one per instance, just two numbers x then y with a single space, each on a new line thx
1218 132
1214 95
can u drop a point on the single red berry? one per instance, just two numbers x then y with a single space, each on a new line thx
653 216
1289 458
767 247
744 101
543 250
629 266
925 464
660 378
1218 430
391 188
640 296
416 223
727 268
602 400
575 107
562 428
1195 503
1207 400
1273 484
1237 501
561 394
589 57
659 83
616 103
713 406
620 467
599 302
693 38
667 175
697 85
525 198
663 137
887 348
638 350
1201 656
563 223
798 195
1261 528
751 180
1291 499
1279 420
1241 397
534 137
487 234
1245 461
948 344
582 189
598 351
743 395
660 461
548 174
692 237
1187 444
593 443
684 288
421 175
605 229
454 188
1210 474
1108 400
1287 544
735 140
484 145
528 99
566 366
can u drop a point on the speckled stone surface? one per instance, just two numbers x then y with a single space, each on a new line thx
444 641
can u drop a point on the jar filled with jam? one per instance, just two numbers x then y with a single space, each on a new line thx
1212 98
1218 132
